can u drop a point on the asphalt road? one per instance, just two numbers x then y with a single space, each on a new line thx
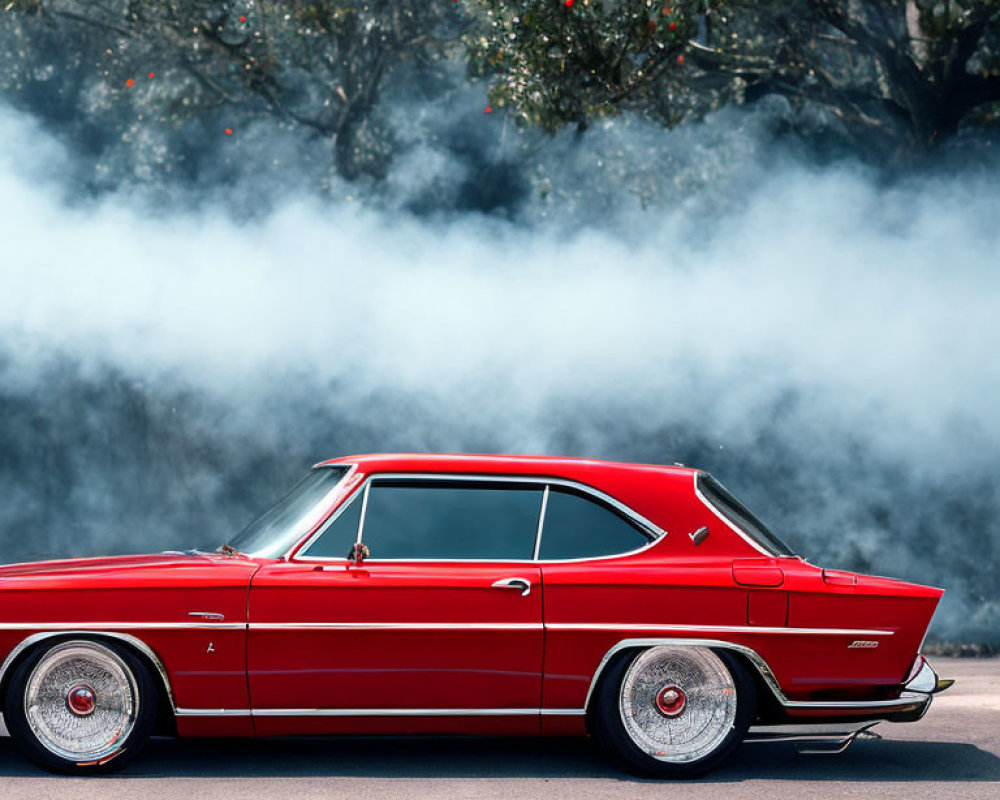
953 752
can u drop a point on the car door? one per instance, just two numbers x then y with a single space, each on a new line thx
439 629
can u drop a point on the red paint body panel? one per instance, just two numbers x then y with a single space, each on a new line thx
133 595
437 636
439 664
399 726
767 608
757 572
215 727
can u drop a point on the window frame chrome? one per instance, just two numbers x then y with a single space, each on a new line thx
541 523
299 551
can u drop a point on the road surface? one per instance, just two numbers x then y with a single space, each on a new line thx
953 752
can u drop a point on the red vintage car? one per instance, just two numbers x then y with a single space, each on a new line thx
401 594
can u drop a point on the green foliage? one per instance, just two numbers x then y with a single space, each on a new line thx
555 61
866 63
908 71
318 64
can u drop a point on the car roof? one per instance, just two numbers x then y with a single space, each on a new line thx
543 466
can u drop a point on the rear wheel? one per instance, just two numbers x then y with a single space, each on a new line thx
674 712
81 706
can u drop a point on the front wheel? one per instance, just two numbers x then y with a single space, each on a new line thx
673 712
80 706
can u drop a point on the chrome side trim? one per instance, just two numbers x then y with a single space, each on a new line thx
415 626
655 532
213 712
611 626
120 626
102 627
568 626
907 698
904 700
412 712
377 712
138 644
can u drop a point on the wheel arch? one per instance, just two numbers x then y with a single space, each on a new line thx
166 721
769 695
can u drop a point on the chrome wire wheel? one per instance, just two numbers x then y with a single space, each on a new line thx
678 704
81 701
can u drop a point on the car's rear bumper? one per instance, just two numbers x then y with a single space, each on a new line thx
831 726
911 705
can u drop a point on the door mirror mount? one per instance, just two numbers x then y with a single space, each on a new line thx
358 553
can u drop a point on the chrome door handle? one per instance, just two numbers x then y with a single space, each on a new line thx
514 583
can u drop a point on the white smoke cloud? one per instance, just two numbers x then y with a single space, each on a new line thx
868 297
876 305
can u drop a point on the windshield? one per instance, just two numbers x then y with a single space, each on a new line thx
738 514
284 523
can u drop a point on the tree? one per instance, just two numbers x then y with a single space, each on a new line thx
920 66
318 64
905 73
936 62
559 62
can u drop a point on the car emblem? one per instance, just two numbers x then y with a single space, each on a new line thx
862 644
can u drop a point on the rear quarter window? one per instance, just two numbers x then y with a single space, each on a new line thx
719 498
578 526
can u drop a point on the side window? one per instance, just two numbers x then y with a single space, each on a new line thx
577 526
451 519
342 532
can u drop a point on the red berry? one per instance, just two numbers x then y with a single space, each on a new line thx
152 75
489 109
667 12
229 131
569 3
680 60
243 18
129 82
673 26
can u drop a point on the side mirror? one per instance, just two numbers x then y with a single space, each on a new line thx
358 553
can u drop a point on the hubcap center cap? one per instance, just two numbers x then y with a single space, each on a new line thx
671 701
81 700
